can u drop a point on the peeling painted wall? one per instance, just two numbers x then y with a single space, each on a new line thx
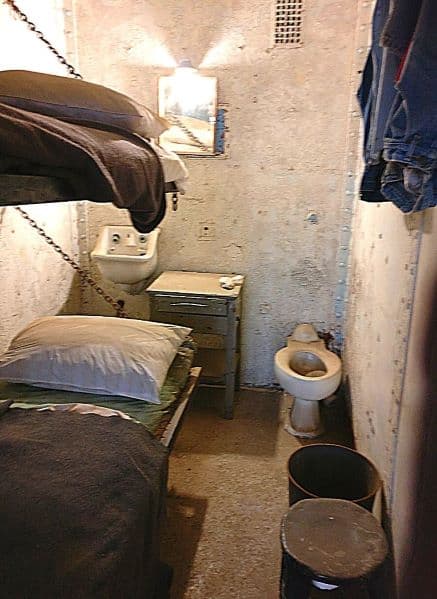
287 118
34 281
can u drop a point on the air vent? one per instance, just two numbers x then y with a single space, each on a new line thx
288 23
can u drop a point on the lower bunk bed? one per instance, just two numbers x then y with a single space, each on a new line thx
82 496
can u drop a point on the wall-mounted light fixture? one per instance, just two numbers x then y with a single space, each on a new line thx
185 68
189 101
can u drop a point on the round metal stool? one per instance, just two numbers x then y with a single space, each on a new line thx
330 543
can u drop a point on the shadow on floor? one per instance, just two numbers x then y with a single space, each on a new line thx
182 531
256 417
336 423
230 493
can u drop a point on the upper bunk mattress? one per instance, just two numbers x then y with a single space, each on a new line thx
99 165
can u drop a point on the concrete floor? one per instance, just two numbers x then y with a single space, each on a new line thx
228 492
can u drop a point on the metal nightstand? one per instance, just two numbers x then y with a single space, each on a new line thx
196 300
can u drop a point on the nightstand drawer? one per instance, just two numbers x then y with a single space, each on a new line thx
200 323
190 304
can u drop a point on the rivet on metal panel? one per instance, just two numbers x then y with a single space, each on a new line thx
312 217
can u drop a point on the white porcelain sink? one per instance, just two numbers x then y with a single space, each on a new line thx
125 256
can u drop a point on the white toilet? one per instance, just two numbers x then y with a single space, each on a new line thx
125 256
310 373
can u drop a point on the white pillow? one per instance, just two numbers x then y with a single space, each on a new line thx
94 354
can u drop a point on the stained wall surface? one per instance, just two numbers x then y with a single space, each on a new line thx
390 362
384 263
415 478
391 368
287 120
34 281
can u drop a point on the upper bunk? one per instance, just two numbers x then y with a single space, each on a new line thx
17 190
64 139
44 160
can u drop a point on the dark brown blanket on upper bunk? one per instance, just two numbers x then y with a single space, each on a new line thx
102 166
80 501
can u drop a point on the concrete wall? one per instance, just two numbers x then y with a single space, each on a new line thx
391 368
34 281
415 478
390 359
287 118
384 263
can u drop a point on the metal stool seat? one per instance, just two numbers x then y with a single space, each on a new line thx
332 542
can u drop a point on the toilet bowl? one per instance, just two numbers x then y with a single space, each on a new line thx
125 256
309 372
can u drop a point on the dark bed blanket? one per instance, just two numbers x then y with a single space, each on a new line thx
80 502
102 166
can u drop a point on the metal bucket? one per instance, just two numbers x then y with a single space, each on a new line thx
332 471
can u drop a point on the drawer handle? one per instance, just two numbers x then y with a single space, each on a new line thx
189 304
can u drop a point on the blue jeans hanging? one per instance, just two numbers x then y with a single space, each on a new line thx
410 144
376 96
400 108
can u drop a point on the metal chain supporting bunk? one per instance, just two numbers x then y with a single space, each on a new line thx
84 275
23 17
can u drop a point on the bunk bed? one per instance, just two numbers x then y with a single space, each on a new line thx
17 190
82 494
45 160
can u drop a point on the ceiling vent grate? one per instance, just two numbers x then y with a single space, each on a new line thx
288 23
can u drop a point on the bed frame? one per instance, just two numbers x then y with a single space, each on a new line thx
18 190
167 432
24 189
